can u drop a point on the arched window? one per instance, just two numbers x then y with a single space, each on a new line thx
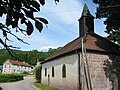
52 71
64 71
45 71
114 81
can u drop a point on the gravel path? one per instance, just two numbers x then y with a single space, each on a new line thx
26 84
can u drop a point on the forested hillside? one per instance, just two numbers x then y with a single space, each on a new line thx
26 56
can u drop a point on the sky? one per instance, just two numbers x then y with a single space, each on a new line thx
62 28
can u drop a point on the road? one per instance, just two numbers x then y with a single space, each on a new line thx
26 84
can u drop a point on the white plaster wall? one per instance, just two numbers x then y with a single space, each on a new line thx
20 69
71 80
8 68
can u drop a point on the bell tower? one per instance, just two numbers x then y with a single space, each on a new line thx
86 22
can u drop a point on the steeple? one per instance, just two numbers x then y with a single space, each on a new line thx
86 12
86 22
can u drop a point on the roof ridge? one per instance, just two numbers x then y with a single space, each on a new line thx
16 62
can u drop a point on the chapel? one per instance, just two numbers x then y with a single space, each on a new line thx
90 62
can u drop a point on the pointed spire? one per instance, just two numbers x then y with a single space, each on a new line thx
86 11
86 22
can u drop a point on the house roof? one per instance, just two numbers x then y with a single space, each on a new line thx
14 62
93 42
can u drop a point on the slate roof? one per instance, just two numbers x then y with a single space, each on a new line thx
93 42
14 62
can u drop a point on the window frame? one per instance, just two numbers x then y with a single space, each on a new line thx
64 71
53 71
45 72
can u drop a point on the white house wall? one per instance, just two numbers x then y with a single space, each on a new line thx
20 69
71 80
6 67
9 68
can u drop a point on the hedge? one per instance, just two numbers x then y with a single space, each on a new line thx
10 77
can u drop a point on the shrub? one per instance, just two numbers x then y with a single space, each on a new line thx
10 77
25 72
38 73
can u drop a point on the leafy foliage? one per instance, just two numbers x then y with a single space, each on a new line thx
114 38
110 9
38 73
10 77
17 13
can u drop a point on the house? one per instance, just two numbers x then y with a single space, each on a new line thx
90 62
13 66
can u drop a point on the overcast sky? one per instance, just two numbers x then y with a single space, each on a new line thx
62 27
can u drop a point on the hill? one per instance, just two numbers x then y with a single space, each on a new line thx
26 56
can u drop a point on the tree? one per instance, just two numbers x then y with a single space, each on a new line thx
17 13
110 9
30 57
52 51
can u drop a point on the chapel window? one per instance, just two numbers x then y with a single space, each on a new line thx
64 71
45 71
52 71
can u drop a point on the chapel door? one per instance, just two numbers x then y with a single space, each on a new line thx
48 80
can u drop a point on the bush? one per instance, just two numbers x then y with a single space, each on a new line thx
38 73
10 77
25 72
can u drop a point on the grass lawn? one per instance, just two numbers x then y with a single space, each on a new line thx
44 87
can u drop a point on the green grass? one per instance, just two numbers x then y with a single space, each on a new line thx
44 87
